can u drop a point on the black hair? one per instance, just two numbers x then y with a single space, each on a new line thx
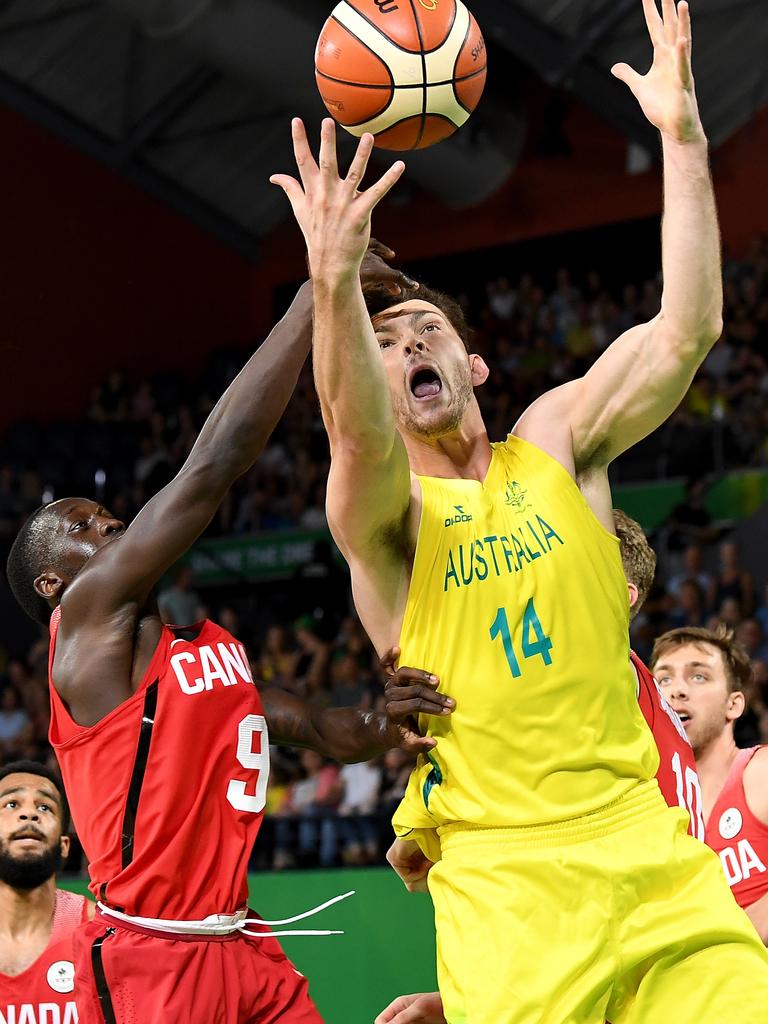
378 300
36 768
30 555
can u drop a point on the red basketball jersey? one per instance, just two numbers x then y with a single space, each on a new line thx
44 993
168 790
738 837
677 777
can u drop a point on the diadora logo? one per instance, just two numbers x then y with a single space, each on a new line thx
515 496
461 517
386 6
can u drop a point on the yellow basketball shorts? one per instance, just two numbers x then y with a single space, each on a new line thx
619 915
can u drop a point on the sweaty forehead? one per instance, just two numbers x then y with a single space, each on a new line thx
65 507
404 314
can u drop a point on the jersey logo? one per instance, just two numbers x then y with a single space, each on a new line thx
61 976
460 517
515 496
434 778
730 823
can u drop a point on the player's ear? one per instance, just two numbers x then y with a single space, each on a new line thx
48 584
64 845
478 369
634 593
736 705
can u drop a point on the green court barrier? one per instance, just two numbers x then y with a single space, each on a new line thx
388 946
278 554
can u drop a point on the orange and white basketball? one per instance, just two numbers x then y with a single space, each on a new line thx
408 71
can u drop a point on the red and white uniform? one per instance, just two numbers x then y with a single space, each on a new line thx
738 837
44 993
167 793
677 777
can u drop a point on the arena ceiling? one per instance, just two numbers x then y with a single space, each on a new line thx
191 99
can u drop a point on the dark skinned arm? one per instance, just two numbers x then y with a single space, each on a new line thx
124 572
350 734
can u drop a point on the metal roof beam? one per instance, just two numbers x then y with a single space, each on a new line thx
41 20
27 103
550 56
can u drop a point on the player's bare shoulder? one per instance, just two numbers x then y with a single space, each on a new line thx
546 423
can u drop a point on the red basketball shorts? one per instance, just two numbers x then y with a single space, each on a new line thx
128 975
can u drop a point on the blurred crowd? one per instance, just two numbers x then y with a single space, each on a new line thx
136 433
534 334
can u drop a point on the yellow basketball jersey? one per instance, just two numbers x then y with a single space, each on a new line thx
519 603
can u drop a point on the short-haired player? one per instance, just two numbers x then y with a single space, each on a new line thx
37 920
676 775
162 735
497 566
704 675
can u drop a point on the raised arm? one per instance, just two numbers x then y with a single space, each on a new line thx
369 485
643 376
234 434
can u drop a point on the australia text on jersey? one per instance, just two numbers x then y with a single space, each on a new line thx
481 557
198 668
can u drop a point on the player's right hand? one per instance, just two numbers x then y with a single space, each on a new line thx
333 214
409 864
425 1008
411 691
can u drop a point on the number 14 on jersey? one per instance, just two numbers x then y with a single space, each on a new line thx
534 641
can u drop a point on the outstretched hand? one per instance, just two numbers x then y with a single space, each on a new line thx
334 216
666 93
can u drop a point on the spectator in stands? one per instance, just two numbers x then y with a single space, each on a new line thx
750 635
313 655
732 580
358 828
180 604
15 725
689 521
349 687
691 608
308 823
692 570
279 659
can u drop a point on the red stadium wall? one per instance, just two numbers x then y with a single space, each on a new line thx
98 275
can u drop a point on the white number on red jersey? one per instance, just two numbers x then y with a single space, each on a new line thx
254 761
689 795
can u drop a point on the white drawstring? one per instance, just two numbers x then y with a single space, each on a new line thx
292 920
225 924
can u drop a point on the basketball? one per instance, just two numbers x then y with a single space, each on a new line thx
410 72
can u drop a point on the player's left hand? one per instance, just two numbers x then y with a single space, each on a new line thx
410 692
375 271
407 860
425 1008
666 93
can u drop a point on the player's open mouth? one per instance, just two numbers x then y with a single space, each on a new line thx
684 717
425 382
